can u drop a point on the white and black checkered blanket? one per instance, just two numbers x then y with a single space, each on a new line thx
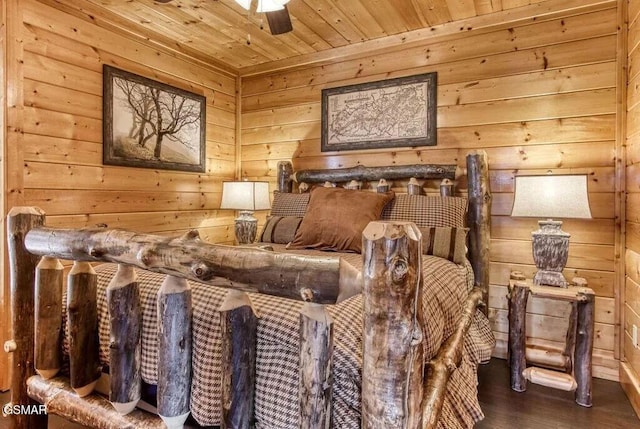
446 286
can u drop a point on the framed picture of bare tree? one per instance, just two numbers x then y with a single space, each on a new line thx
151 124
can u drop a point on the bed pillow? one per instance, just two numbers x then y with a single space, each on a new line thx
427 212
280 229
336 217
288 204
448 243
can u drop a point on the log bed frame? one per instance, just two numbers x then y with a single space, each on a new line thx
403 386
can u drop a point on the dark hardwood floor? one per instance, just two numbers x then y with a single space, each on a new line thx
544 408
537 408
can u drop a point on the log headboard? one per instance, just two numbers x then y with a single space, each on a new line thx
478 194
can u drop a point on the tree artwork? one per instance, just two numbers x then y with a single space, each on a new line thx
150 124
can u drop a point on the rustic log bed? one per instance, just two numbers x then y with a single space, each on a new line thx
399 390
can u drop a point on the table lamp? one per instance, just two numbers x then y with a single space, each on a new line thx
246 197
551 196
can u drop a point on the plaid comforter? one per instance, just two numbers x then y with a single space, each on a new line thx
446 286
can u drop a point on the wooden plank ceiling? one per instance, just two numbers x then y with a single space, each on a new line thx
216 31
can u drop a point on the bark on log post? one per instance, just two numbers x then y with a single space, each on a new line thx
570 343
584 348
93 411
125 319
392 371
22 268
174 351
446 361
518 295
249 269
413 187
48 319
239 327
383 186
316 367
446 188
82 311
479 219
285 170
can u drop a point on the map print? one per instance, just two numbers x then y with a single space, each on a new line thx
388 113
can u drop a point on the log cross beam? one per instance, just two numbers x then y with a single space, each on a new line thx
317 279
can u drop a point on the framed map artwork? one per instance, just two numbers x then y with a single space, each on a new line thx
388 113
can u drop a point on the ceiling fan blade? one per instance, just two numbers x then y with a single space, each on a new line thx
279 21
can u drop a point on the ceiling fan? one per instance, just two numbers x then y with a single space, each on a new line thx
276 12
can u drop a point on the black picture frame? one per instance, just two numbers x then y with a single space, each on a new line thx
134 135
398 112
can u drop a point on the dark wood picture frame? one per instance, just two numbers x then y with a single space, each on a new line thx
134 135
398 112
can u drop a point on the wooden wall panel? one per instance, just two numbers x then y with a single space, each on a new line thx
631 294
539 97
54 133
62 169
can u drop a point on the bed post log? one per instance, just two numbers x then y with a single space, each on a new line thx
316 362
479 217
239 329
392 367
174 351
48 317
125 320
22 265
82 310
285 170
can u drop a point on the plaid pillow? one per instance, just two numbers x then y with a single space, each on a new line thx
427 212
448 243
280 229
289 204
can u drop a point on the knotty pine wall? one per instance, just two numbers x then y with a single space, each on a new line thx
54 138
630 370
539 96
61 150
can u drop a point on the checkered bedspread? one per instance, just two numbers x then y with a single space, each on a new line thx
446 286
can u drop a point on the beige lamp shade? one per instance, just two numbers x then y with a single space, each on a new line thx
551 196
247 196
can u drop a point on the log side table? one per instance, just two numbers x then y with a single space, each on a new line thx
576 357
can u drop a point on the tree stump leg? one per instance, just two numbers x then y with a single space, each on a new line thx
239 327
174 351
584 349
316 362
48 320
518 335
82 308
125 319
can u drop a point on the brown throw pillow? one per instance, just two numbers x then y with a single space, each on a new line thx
448 243
336 217
280 229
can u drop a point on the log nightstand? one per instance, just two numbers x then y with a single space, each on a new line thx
576 357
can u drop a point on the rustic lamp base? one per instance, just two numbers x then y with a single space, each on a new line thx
550 253
246 227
